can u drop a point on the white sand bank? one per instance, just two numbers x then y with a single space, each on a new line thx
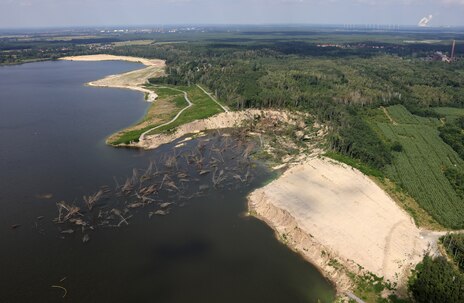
327 211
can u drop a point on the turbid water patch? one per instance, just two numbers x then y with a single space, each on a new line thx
53 129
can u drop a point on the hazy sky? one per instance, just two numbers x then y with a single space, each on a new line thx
44 13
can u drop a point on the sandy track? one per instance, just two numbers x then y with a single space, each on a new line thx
345 214
224 108
133 80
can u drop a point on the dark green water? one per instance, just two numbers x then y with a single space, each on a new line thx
52 131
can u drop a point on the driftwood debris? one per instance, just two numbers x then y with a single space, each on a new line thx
65 291
184 173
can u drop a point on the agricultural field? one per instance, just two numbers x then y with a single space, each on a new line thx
400 115
419 165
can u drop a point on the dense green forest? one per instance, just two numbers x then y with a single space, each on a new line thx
454 246
437 280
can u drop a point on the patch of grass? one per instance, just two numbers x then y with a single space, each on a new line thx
129 136
203 107
164 109
370 288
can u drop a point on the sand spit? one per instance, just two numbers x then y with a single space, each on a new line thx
219 121
133 80
328 211
104 57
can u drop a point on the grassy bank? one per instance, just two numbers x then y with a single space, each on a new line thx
203 107
170 101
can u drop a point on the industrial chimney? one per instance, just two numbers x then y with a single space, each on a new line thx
452 50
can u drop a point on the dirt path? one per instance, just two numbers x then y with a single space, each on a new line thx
388 116
142 136
214 99
353 297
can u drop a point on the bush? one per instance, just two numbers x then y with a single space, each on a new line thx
396 146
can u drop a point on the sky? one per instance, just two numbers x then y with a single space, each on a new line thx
59 13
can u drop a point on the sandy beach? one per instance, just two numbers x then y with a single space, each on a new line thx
133 80
104 57
328 211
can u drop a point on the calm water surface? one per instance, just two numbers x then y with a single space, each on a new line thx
52 131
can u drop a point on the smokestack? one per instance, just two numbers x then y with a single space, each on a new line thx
452 50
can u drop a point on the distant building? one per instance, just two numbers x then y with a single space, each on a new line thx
439 56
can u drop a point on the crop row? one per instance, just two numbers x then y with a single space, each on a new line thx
419 169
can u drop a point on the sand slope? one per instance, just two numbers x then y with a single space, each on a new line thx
347 215
218 121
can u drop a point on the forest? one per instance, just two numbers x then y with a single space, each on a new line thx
437 280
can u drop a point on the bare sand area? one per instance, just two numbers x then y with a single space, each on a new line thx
329 211
133 80
104 57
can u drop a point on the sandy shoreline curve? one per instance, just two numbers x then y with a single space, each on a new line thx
134 80
333 214
105 57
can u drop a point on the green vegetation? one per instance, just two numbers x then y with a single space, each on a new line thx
437 280
454 246
453 134
164 109
421 164
456 179
365 169
354 138
370 288
451 113
420 216
203 107
160 113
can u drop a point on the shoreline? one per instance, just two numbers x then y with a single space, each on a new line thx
150 96
283 223
218 121
133 80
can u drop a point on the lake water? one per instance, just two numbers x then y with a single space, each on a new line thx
52 132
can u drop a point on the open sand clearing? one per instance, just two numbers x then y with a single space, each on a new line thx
133 80
327 210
